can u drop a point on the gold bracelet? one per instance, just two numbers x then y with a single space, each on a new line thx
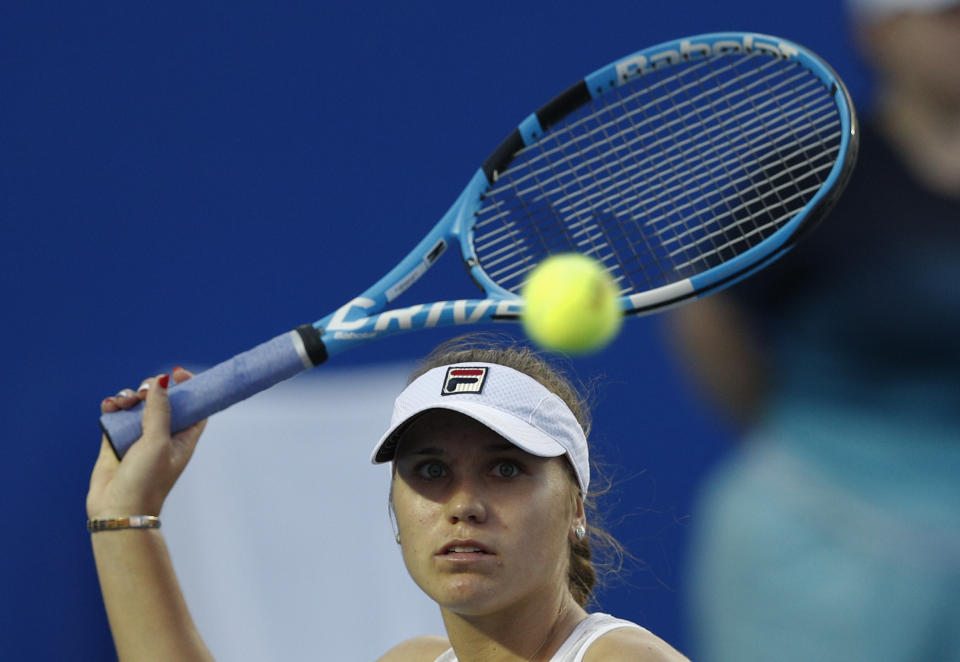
132 522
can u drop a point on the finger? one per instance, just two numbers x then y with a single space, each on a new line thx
108 405
142 389
156 414
180 375
126 398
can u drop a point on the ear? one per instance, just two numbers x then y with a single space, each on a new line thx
579 519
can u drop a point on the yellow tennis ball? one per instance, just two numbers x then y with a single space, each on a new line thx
571 305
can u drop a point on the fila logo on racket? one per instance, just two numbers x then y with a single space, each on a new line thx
638 64
464 380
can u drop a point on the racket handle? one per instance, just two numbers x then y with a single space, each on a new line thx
224 384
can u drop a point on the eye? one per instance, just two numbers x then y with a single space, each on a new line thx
506 469
432 470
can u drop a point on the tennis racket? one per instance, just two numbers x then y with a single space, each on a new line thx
682 168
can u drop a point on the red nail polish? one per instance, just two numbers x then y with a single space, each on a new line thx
163 380
177 367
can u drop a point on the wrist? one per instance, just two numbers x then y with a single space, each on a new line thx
105 505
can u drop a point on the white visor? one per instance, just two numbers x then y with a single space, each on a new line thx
514 405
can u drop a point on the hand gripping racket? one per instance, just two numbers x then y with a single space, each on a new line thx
682 168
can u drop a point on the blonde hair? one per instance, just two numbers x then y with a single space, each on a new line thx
582 573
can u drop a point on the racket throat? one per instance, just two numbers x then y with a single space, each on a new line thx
310 345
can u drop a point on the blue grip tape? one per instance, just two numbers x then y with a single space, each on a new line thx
214 390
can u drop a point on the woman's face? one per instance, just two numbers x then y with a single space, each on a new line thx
484 524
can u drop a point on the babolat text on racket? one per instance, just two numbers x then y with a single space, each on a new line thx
682 168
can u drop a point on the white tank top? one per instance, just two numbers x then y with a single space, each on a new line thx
575 647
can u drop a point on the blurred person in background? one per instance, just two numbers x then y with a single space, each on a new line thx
833 531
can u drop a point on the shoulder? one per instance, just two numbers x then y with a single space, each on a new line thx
633 645
426 648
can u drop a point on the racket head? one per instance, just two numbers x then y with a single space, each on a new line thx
683 168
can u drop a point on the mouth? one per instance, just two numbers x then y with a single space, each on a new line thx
464 549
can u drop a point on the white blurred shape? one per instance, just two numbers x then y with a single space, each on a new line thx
279 528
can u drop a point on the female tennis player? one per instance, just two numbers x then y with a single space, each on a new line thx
490 477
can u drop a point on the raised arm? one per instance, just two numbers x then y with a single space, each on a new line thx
718 349
148 616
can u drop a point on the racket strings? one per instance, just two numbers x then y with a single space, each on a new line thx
576 130
669 187
633 147
684 151
680 230
592 238
678 171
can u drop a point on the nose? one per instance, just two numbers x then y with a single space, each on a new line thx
467 504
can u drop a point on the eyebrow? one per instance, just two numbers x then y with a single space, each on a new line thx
433 450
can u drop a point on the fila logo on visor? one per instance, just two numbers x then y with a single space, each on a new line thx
464 380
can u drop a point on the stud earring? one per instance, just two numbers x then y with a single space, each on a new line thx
580 531
398 538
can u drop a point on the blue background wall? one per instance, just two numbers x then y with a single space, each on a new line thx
183 180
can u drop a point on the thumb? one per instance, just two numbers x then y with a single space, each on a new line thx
156 412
